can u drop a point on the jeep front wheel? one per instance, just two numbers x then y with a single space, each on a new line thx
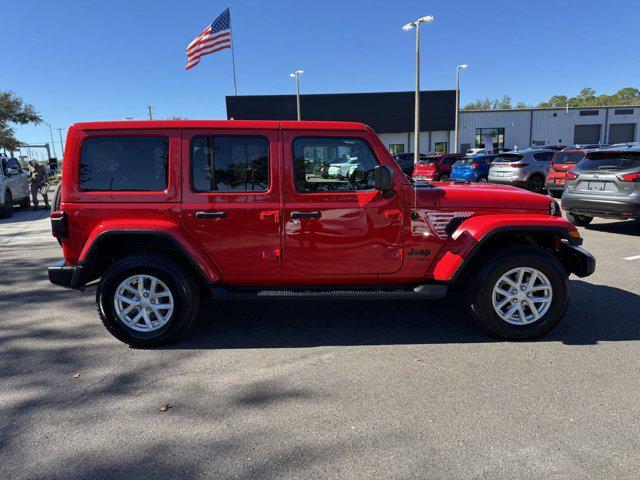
147 300
518 293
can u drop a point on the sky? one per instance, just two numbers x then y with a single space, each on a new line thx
105 60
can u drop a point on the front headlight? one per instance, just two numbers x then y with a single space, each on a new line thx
554 209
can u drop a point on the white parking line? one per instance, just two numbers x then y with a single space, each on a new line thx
635 257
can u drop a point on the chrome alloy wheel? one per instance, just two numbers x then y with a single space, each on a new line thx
143 303
522 296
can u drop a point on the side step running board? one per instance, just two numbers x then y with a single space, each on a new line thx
419 292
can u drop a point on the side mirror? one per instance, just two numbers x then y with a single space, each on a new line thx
13 171
383 178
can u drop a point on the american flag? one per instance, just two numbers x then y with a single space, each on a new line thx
214 38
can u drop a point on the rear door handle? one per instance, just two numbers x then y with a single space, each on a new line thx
211 214
305 214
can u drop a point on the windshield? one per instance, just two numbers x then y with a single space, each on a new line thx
568 158
611 161
508 157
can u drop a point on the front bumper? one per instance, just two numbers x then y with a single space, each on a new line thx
577 260
68 276
604 206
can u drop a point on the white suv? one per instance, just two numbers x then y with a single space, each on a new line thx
14 186
524 168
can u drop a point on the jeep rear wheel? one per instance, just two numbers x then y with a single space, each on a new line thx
521 292
147 300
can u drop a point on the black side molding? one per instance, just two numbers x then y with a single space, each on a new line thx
68 276
417 292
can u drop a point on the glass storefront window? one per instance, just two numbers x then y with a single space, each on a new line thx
396 148
497 137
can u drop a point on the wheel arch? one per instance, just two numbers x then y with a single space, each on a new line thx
475 236
111 245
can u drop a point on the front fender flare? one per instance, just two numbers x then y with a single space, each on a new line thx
471 234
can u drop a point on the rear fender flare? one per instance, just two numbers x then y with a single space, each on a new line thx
171 232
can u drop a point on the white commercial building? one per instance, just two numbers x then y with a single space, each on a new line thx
557 126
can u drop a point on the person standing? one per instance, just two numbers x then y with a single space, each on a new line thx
37 178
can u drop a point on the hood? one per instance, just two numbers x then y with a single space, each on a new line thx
483 196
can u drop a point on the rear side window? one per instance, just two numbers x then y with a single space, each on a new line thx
229 164
543 156
124 164
611 161
508 157
427 160
332 164
568 158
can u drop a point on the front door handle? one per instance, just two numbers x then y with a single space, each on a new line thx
305 214
211 214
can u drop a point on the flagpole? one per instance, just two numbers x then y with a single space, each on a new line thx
233 53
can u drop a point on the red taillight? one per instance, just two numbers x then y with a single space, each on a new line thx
519 165
571 176
630 177
473 166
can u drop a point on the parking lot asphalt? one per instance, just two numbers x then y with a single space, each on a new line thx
322 389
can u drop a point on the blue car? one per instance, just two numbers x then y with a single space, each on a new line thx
472 169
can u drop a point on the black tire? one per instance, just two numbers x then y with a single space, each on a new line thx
6 210
555 194
444 177
480 290
483 180
26 203
56 197
536 184
579 220
180 282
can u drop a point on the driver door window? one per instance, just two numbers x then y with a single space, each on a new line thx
332 164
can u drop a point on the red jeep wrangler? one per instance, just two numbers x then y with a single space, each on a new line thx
159 213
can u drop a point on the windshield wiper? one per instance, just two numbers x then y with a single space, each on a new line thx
610 167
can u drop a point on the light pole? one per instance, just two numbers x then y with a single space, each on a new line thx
296 75
61 143
416 132
53 144
455 134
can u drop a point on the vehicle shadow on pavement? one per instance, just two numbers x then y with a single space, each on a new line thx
597 313
21 215
625 227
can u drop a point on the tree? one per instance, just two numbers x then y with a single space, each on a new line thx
586 98
479 105
556 101
13 110
627 96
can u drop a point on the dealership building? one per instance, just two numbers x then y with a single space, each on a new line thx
391 115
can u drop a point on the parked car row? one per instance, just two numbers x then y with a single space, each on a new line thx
592 180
